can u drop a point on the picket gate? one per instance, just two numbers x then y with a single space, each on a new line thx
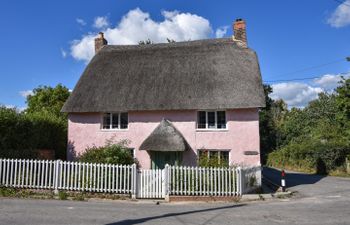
151 183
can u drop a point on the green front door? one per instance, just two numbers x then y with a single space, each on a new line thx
159 159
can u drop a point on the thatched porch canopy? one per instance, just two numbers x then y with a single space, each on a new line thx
165 138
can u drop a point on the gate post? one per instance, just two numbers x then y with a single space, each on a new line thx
240 180
166 183
134 182
57 175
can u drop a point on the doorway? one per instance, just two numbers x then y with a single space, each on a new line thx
160 159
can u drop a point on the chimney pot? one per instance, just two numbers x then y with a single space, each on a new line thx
239 32
100 41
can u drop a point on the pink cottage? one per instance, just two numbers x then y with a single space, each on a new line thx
173 101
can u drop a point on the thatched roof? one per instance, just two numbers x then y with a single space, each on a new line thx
165 138
205 74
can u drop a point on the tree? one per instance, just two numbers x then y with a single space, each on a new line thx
48 99
49 124
269 123
343 105
317 136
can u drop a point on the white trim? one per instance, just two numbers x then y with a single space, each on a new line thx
111 122
216 119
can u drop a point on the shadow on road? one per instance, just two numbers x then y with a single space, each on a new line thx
145 219
292 178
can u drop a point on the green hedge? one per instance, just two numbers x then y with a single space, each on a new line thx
311 154
22 134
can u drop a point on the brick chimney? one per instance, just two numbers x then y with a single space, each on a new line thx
239 32
100 41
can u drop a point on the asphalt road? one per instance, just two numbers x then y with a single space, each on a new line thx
324 200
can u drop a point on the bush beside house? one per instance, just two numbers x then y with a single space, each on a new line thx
40 127
315 138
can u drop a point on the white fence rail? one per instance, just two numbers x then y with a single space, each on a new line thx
151 183
126 179
73 176
198 181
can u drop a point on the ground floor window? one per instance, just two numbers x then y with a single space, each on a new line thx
213 157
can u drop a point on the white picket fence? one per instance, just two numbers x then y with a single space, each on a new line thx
151 183
204 181
61 175
127 179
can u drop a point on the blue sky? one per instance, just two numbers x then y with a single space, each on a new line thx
49 42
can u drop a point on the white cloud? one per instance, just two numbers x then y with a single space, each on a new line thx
80 21
341 16
298 94
101 22
328 82
19 109
221 31
137 25
295 94
63 53
26 93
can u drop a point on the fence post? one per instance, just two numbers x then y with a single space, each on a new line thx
134 182
166 183
239 180
57 171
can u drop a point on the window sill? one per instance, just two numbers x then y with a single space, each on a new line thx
212 130
113 130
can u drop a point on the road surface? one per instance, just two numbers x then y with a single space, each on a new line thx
322 200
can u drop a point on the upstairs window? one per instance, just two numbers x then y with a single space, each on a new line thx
115 121
211 120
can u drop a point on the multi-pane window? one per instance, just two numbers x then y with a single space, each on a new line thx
115 121
211 120
221 156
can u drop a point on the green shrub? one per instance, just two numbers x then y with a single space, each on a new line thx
62 195
22 134
7 192
311 154
111 153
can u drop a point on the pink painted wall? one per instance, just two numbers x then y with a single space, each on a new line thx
242 134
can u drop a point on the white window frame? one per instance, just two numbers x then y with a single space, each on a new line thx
219 153
216 121
111 122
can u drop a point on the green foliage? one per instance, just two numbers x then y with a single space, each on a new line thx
41 126
110 153
204 161
271 118
62 195
318 136
48 100
7 192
